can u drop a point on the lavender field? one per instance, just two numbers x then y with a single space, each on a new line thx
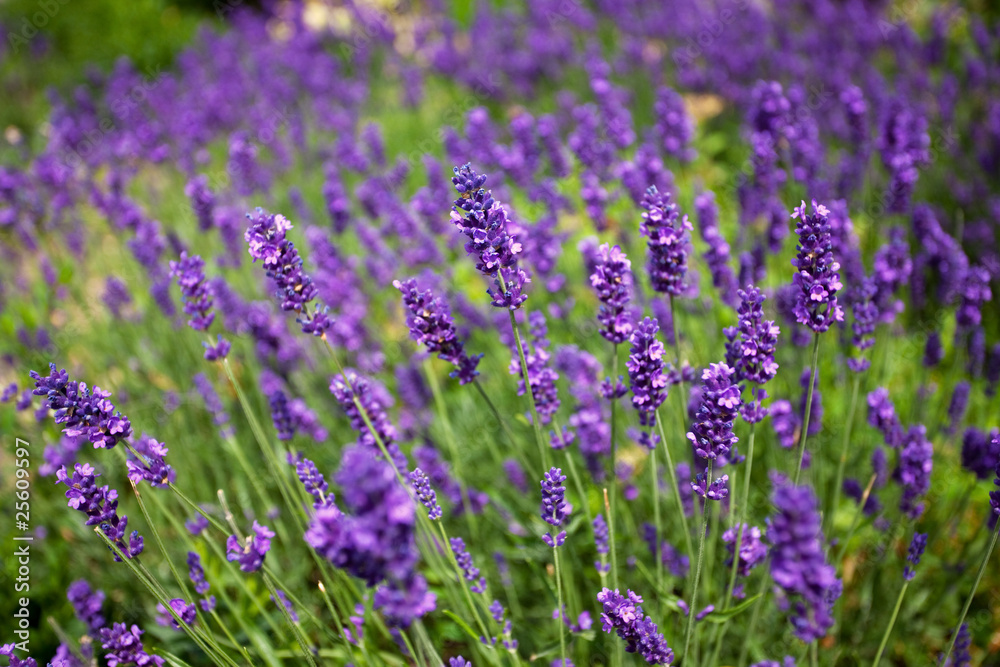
442 333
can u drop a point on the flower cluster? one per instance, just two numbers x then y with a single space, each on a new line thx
190 274
314 482
612 280
124 647
914 554
645 372
712 431
82 411
601 544
914 470
149 465
485 222
798 564
364 404
753 551
469 571
882 415
554 509
86 604
268 243
623 615
541 375
750 350
251 550
425 494
100 504
431 325
668 242
816 277
197 575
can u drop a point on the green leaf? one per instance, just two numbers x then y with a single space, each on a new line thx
462 624
723 616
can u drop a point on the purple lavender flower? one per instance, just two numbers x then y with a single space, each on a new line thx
469 571
866 315
314 482
283 598
202 201
485 222
717 489
187 612
712 431
717 257
100 504
960 656
82 411
541 376
612 280
282 263
980 451
431 325
124 647
554 508
753 551
8 650
674 127
816 277
798 565
913 555
281 416
914 471
150 466
351 391
197 573
198 297
601 543
213 404
750 350
86 604
251 550
116 296
623 615
645 372
882 415
196 525
425 494
785 421
668 242
958 405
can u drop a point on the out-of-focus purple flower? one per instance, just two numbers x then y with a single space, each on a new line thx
717 257
100 504
753 551
623 615
196 525
882 415
197 573
612 280
673 126
816 277
913 555
82 411
220 350
431 325
712 431
202 201
190 274
892 267
785 422
933 350
903 143
187 612
960 656
515 475
267 242
283 598
469 571
668 242
541 376
798 564
116 296
554 509
916 460
124 647
485 222
86 604
251 550
213 404
645 372
356 394
601 543
866 315
425 494
958 405
980 451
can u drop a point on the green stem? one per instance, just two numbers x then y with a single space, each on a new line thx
656 519
462 582
972 593
892 622
843 451
614 570
809 399
692 605
559 619
535 421
857 518
754 617
613 476
676 486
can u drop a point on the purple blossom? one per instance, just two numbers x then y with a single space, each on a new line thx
882 415
753 551
283 598
485 222
645 371
798 564
469 571
359 399
866 315
958 405
750 349
623 615
554 508
673 127
914 470
425 494
124 647
198 297
913 555
197 573
251 550
668 242
717 489
717 257
8 650
431 325
282 263
202 201
116 296
980 451
82 412
612 280
149 465
314 482
86 604
187 612
100 504
712 431
541 375
601 543
816 277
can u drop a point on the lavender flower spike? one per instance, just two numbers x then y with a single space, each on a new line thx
250 551
612 280
190 274
914 553
469 571
554 508
712 432
623 615
645 371
82 412
668 242
425 494
432 326
816 277
267 242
